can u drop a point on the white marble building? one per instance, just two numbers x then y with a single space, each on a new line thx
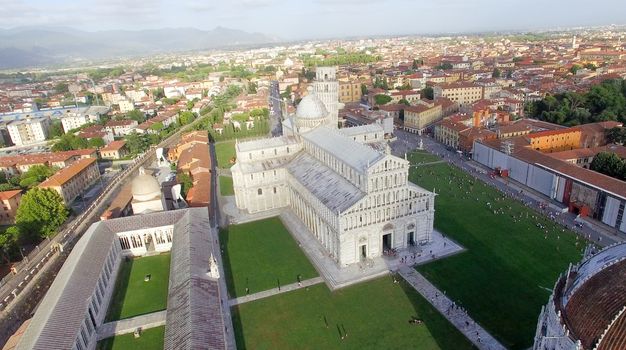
343 184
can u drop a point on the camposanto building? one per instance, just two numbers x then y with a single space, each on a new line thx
343 184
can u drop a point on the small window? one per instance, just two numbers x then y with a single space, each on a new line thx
260 191
274 190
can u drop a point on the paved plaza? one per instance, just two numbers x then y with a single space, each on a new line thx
129 325
275 291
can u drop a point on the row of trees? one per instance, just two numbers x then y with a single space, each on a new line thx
603 102
609 163
69 142
28 179
340 59
40 214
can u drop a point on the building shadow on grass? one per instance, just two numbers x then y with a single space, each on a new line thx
437 324
230 281
121 288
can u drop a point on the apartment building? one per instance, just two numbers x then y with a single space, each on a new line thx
10 201
29 130
72 181
463 93
114 150
417 118
349 91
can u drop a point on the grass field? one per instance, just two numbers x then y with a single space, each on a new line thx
225 151
151 339
510 265
374 314
261 254
226 186
133 296
417 157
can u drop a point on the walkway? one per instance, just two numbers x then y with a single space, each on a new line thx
129 325
456 315
275 291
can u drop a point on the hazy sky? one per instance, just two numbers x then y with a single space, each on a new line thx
296 19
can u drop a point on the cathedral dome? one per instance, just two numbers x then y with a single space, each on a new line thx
311 107
145 187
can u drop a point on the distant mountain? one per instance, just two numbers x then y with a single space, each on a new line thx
36 46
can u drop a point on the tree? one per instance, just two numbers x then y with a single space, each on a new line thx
96 142
35 175
616 135
185 118
404 102
444 66
496 73
186 183
56 129
574 69
7 187
41 212
157 126
609 163
61 88
70 142
591 66
136 115
9 243
252 88
287 93
428 93
137 143
381 99
363 89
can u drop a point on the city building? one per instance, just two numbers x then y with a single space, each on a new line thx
555 140
343 184
349 91
29 130
76 303
121 127
587 307
463 93
72 181
114 150
76 119
194 160
418 118
10 201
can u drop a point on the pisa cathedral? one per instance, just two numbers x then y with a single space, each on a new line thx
343 184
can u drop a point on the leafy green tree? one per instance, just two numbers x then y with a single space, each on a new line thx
185 118
41 213
428 93
609 163
381 99
157 126
363 89
35 175
287 93
136 115
137 143
404 102
9 243
69 142
574 69
252 88
186 183
496 73
616 135
591 66
7 187
444 66
96 142
61 88
56 129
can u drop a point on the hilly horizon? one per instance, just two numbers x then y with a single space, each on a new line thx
40 46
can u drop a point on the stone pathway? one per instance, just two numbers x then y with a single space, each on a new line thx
275 291
129 325
456 315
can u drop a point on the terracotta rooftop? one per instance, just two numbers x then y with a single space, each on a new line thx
66 174
4 195
114 146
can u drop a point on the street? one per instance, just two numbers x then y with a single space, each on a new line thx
592 231
276 110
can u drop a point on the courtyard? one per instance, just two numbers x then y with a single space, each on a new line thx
370 315
141 287
224 152
514 255
262 255
152 338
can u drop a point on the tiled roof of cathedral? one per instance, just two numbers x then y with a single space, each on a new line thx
330 188
354 154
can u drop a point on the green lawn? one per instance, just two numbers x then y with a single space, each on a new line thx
226 186
261 254
133 296
418 156
150 339
509 268
374 315
225 151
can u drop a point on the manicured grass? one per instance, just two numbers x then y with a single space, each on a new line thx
225 151
133 296
152 338
261 254
417 157
509 268
374 314
226 186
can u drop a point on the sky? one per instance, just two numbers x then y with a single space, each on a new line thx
311 19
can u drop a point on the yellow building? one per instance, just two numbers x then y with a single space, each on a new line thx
417 118
555 140
10 202
72 181
349 91
463 93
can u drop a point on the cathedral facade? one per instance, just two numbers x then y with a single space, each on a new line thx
343 184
